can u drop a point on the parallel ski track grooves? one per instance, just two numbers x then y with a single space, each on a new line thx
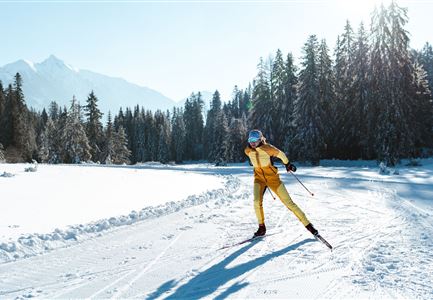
124 288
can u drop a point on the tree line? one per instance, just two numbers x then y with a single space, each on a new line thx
370 99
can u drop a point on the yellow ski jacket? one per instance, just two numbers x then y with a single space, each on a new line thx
264 171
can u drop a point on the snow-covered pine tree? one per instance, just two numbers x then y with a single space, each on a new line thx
75 145
194 127
426 59
121 151
245 103
140 135
55 130
221 142
43 145
108 149
326 99
129 129
19 128
119 119
361 89
2 113
163 134
392 80
150 137
235 104
287 115
423 109
211 128
40 121
178 135
260 114
378 79
346 139
309 139
93 126
138 142
278 111
237 136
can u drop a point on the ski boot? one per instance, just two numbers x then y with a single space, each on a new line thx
261 231
311 229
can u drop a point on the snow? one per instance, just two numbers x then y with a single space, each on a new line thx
164 242
57 196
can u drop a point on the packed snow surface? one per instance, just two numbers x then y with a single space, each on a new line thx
160 232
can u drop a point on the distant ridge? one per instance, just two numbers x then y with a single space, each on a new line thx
55 80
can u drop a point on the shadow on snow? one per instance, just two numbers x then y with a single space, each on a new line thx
211 279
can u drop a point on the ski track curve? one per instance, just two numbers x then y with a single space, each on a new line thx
373 234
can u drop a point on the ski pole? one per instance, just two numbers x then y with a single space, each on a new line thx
269 190
301 183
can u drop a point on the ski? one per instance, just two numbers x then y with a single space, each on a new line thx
241 242
320 238
249 240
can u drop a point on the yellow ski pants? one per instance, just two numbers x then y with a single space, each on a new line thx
280 190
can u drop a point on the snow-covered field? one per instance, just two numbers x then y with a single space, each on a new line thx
156 232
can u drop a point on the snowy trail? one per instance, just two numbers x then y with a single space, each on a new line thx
381 238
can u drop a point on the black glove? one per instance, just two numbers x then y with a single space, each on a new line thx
290 167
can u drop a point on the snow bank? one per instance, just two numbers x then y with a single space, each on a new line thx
38 243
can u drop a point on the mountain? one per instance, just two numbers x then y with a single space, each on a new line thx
54 80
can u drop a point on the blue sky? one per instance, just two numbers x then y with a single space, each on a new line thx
177 47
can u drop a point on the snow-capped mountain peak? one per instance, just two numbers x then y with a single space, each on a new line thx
53 63
20 66
55 80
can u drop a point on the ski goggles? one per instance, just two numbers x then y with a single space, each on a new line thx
254 136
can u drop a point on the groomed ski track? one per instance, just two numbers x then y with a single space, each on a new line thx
382 248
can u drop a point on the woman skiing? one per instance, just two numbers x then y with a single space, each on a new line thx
266 176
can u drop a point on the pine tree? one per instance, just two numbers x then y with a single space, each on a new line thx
361 91
326 99
54 130
178 136
108 150
392 81
245 104
151 137
279 99
260 114
19 130
221 140
2 114
43 145
346 142
75 145
211 129
94 126
426 59
237 136
194 127
121 151
163 134
423 109
54 111
378 79
287 115
309 138
137 137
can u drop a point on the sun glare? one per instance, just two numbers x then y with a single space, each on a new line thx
361 9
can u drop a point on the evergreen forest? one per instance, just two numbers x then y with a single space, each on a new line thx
369 97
